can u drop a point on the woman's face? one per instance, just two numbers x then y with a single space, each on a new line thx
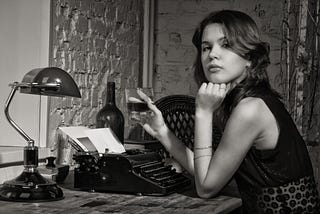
219 63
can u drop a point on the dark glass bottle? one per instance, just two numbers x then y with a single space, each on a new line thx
110 116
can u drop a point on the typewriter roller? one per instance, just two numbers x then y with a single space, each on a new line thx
136 171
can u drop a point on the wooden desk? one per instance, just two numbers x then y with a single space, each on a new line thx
78 202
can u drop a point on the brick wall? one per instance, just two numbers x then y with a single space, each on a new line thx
95 41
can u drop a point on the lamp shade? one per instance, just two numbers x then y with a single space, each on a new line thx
50 81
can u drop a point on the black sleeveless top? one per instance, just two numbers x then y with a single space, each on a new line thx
270 181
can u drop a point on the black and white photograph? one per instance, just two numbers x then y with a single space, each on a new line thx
160 106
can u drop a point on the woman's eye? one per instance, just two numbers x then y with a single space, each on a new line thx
225 44
206 48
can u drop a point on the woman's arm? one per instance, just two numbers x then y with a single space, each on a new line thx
157 128
242 129
177 149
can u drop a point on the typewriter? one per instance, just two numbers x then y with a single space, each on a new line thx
135 171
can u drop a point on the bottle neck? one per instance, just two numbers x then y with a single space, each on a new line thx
111 99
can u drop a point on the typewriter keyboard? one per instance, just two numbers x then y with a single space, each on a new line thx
164 175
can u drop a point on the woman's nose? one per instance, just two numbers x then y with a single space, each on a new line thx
214 53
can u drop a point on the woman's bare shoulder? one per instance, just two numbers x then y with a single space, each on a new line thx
248 121
250 108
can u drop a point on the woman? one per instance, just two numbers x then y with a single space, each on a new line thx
260 145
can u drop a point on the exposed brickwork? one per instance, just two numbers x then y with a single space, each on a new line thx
95 41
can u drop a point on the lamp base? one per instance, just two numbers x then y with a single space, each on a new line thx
30 187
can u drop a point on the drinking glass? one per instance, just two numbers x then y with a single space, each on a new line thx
138 110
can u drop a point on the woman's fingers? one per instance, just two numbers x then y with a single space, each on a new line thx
210 86
202 88
228 88
223 89
149 102
214 88
143 96
222 86
148 129
135 100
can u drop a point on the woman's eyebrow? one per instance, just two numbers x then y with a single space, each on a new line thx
221 39
205 43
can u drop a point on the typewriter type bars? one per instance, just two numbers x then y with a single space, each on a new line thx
141 173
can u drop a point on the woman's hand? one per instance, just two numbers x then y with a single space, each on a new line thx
211 95
156 124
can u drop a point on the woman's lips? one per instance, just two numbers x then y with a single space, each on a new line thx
214 68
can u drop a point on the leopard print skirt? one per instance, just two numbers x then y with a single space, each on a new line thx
297 197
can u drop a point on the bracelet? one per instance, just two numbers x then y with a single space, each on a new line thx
195 158
200 148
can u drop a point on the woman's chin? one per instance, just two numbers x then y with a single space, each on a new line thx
218 81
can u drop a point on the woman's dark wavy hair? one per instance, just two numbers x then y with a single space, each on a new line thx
243 38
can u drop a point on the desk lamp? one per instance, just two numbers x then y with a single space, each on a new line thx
30 185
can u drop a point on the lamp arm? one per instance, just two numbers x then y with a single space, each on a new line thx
15 86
